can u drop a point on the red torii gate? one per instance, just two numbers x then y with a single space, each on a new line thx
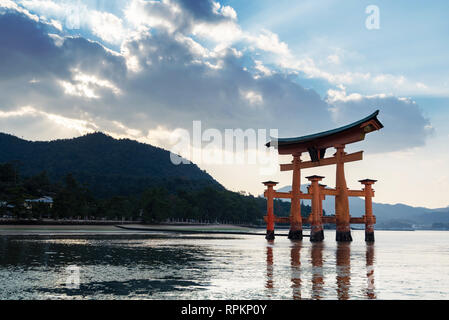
316 145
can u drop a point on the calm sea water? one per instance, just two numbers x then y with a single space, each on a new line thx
400 265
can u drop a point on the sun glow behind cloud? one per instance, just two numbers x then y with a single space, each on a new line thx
84 85
80 126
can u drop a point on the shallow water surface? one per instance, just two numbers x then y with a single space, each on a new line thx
400 265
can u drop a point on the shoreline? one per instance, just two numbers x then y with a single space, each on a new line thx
142 229
50 222
213 229
120 229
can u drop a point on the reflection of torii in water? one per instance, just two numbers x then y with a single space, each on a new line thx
317 270
342 270
295 264
316 145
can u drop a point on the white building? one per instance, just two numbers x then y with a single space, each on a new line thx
46 199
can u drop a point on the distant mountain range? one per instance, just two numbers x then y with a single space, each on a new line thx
386 214
106 165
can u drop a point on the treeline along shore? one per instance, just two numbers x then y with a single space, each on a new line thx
96 178
38 200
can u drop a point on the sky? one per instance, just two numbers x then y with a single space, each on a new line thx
146 69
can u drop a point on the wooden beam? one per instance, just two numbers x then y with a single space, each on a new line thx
330 220
283 195
356 193
288 195
353 220
329 192
285 220
357 220
287 167
356 156
324 219
278 219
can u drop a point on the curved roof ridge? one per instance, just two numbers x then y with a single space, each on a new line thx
284 141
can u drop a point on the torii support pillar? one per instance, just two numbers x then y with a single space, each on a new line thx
341 199
323 197
270 212
369 217
295 232
316 233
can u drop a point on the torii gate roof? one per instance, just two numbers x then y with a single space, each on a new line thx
320 141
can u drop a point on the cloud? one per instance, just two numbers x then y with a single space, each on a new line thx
211 22
107 26
46 126
176 84
253 97
85 85
405 126
184 81
75 15
207 19
163 78
269 42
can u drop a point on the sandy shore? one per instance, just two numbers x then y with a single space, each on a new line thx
123 229
210 228
54 229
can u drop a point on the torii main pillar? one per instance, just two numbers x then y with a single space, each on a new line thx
295 232
342 199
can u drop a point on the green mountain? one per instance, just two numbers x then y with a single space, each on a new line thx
107 166
97 176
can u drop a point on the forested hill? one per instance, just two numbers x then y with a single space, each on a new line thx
106 165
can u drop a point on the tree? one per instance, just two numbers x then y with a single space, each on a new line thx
38 185
155 205
11 190
40 209
117 207
73 200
